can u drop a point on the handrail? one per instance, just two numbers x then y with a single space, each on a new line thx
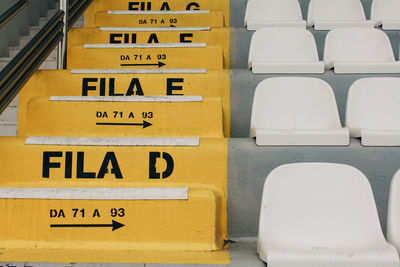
74 2
62 47
21 56
18 71
12 11
76 10
22 66
73 10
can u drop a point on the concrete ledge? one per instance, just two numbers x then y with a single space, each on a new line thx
243 253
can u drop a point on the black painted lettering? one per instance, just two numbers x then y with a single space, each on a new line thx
153 174
57 213
183 38
126 38
96 213
53 213
68 164
125 57
47 164
102 86
86 87
171 87
100 114
80 172
135 83
113 38
110 158
133 6
134 36
112 88
165 6
153 39
61 214
193 4
170 165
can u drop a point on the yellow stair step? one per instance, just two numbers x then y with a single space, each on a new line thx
145 56
162 116
128 83
122 18
141 35
156 5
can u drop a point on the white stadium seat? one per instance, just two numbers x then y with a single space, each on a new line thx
359 50
284 50
296 111
386 13
393 220
321 214
273 13
373 111
331 14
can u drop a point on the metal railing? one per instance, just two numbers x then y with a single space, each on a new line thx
76 9
13 11
18 71
73 10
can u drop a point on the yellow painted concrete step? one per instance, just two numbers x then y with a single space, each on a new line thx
127 199
142 35
117 18
111 219
119 116
128 83
145 56
114 162
156 5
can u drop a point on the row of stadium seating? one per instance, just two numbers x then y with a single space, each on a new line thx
286 111
351 50
303 111
322 14
296 227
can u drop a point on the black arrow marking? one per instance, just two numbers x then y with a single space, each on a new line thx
115 225
145 124
159 64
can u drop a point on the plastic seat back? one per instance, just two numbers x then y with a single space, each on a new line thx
311 206
272 50
294 103
386 13
273 13
373 108
359 50
330 14
393 220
